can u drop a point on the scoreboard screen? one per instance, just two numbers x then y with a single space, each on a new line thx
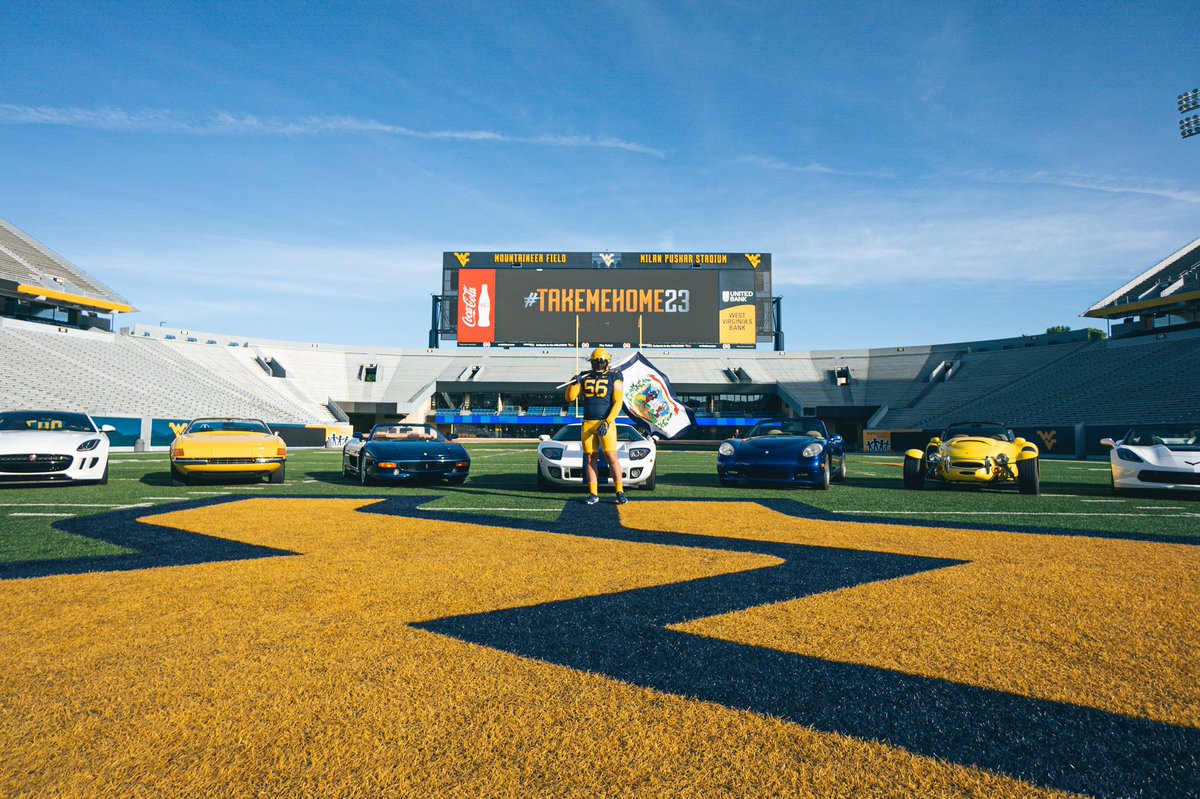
607 299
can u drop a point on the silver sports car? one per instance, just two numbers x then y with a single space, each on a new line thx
1156 457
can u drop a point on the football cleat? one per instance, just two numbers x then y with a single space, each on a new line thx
621 498
591 500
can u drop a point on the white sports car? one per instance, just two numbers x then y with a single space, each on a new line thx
1157 457
560 459
52 447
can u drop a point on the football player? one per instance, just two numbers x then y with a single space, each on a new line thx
602 391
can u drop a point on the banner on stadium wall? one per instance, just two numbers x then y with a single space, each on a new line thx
164 431
128 430
1057 440
649 397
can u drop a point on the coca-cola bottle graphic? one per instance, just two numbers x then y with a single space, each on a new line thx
485 307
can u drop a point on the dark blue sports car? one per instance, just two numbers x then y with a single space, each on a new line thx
787 451
404 453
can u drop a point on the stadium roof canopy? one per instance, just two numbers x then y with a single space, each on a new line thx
1172 282
30 269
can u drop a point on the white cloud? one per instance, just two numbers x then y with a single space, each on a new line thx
766 162
228 123
1097 183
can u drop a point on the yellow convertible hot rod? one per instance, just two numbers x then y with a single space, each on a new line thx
220 448
975 453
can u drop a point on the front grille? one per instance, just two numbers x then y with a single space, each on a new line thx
232 461
1177 478
425 466
40 464
966 464
766 474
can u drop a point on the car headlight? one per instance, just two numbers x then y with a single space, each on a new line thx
725 449
88 445
637 453
553 453
813 450
1129 455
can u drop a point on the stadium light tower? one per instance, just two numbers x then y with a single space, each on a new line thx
1189 101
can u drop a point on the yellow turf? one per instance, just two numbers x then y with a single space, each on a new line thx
299 676
1103 623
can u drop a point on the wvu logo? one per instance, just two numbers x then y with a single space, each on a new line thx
1048 438
462 257
753 259
607 258
177 427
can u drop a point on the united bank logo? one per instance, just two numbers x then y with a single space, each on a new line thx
736 296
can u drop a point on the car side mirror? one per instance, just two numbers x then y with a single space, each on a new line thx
107 428
543 437
1108 442
935 441
360 436
452 436
837 440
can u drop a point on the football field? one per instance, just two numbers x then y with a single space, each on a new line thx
320 638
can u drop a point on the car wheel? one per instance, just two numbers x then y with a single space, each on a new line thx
104 477
914 472
1112 481
346 468
178 478
650 481
1029 476
823 483
362 471
277 476
840 475
543 483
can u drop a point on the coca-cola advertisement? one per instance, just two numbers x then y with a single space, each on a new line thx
476 306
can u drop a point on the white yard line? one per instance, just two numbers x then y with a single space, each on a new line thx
58 505
1101 500
55 515
208 493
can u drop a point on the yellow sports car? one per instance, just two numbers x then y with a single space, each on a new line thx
979 453
219 448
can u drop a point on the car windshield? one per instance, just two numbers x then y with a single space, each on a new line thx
1177 438
803 426
406 432
46 420
624 433
996 432
228 426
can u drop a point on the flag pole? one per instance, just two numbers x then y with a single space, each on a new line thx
639 332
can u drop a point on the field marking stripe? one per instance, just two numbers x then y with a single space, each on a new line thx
59 505
55 515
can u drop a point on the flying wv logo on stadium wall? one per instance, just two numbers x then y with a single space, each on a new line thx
649 397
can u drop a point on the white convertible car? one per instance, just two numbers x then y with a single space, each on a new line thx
52 447
1156 457
560 459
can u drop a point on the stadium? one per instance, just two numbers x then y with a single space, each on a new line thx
318 637
1071 388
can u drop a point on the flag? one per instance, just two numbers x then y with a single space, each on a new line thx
648 396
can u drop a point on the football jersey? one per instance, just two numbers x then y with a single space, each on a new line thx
596 393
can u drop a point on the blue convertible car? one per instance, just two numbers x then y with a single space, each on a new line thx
404 453
788 451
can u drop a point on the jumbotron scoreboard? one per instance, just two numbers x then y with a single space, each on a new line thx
609 299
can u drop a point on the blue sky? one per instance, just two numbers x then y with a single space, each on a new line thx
921 173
